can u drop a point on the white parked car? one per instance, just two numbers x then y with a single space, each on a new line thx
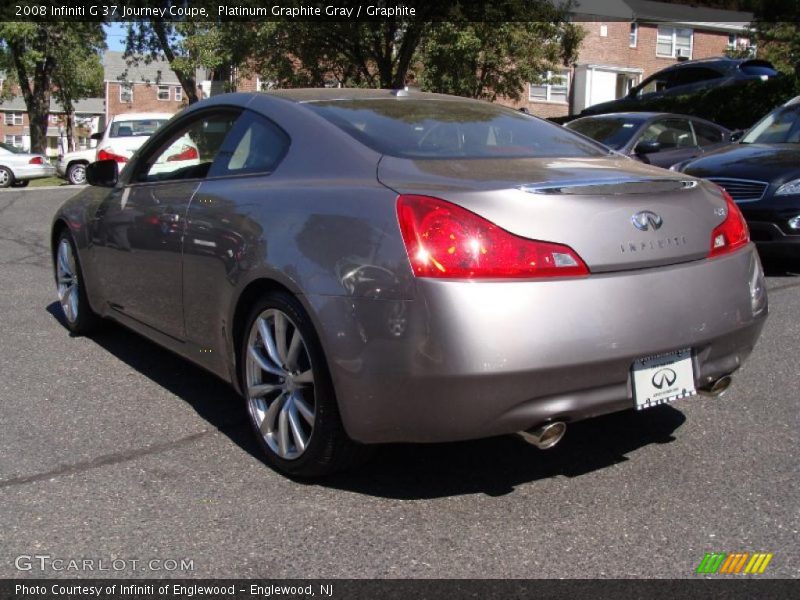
126 133
72 165
18 167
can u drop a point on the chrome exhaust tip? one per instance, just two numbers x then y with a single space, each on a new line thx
545 436
717 388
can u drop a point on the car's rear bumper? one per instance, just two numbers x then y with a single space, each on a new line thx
469 359
34 172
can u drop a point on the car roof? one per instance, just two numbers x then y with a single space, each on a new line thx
715 61
329 94
141 116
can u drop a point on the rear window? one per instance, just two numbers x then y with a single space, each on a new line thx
451 129
143 127
614 133
758 68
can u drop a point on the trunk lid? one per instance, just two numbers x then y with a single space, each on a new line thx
617 214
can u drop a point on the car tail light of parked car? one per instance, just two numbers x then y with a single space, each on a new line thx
36 160
444 240
187 153
106 154
732 234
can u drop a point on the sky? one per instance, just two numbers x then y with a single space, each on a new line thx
115 36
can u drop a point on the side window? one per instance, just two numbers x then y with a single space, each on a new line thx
670 133
691 75
256 146
189 153
707 135
656 83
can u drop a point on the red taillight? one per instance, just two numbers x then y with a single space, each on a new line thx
106 154
186 153
446 241
732 234
36 160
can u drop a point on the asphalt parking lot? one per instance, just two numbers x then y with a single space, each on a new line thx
111 448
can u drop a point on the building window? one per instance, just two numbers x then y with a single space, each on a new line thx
178 93
126 92
14 140
163 92
674 42
603 30
633 38
554 88
13 118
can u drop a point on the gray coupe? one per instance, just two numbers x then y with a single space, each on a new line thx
370 266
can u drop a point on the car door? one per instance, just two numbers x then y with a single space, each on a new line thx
709 137
223 240
676 139
140 226
689 80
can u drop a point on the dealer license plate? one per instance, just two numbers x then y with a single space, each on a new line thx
662 379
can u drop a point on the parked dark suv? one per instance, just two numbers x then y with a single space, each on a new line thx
687 78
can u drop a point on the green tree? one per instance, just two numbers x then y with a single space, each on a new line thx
475 51
487 60
38 55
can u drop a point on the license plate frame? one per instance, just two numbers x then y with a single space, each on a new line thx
663 378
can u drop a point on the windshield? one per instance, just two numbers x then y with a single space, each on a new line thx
614 133
11 148
423 128
143 127
781 126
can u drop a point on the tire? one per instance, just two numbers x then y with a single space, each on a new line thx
6 177
288 392
21 183
78 314
76 174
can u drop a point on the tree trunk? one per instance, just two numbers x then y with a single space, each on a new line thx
187 81
70 132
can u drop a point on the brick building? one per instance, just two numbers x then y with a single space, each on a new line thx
15 125
625 43
152 87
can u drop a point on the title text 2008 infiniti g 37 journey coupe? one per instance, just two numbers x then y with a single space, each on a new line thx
381 266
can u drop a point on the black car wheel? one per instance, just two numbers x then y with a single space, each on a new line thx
6 177
289 393
76 174
78 314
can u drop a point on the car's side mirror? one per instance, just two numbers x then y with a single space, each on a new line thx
103 173
96 136
737 135
648 147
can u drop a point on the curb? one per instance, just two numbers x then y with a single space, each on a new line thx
45 187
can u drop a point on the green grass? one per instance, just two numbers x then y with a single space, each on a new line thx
47 181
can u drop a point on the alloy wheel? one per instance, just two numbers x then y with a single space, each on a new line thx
280 384
67 280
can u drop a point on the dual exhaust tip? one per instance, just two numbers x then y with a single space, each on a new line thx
548 435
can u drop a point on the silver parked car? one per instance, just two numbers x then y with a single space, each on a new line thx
72 165
371 266
18 167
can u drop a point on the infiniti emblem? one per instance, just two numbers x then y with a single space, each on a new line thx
646 219
665 376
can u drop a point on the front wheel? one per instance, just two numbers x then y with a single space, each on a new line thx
76 174
70 284
6 177
289 393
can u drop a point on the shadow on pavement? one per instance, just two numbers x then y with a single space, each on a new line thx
491 466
